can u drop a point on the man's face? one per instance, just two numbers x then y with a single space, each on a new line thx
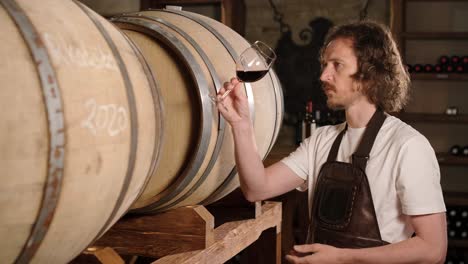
338 65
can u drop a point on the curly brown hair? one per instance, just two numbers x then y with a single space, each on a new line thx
380 67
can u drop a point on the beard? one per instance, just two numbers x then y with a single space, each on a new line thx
330 104
334 105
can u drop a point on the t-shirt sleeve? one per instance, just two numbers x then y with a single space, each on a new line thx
418 181
297 161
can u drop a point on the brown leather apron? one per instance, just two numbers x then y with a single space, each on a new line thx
343 213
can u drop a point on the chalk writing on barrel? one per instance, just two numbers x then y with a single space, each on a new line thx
107 118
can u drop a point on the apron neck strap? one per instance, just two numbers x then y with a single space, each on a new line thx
336 145
361 155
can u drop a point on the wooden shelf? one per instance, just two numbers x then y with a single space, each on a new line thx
428 117
187 2
440 76
435 35
444 1
458 243
447 159
456 198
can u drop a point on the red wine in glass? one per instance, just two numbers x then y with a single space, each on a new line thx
250 76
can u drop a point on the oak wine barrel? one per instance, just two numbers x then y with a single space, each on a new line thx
81 128
191 56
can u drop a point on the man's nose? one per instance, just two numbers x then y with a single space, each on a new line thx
326 75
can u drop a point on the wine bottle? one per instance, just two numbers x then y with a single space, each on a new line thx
298 130
452 233
417 68
438 68
464 152
304 126
460 69
318 117
448 68
444 59
455 60
464 60
428 68
312 124
455 150
464 212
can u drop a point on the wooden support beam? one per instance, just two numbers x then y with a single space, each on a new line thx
105 255
187 235
232 237
175 231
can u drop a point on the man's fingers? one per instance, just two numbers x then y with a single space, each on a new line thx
228 86
222 107
307 248
234 81
221 91
294 259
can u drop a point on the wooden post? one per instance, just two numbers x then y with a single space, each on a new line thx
397 23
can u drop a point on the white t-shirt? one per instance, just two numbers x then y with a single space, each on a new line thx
402 170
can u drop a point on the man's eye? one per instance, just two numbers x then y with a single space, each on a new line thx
337 65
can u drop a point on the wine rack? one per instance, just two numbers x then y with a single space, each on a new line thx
440 76
450 160
457 219
417 41
429 117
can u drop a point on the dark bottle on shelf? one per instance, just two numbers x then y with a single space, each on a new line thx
452 234
448 68
417 68
444 59
464 152
311 123
428 68
464 62
438 68
455 60
459 69
318 117
464 214
299 129
308 122
452 221
304 126
455 150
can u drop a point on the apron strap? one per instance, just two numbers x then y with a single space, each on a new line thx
361 155
336 145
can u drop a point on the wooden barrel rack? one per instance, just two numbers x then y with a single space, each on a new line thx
194 234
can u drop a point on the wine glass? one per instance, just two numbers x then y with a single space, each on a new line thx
253 63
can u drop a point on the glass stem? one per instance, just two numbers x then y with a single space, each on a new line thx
225 94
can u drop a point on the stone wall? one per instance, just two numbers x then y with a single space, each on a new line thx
260 24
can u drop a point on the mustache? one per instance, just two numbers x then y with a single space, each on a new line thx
327 86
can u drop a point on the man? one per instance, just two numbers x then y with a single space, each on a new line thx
384 166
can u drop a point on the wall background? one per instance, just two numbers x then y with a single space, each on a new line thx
260 24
